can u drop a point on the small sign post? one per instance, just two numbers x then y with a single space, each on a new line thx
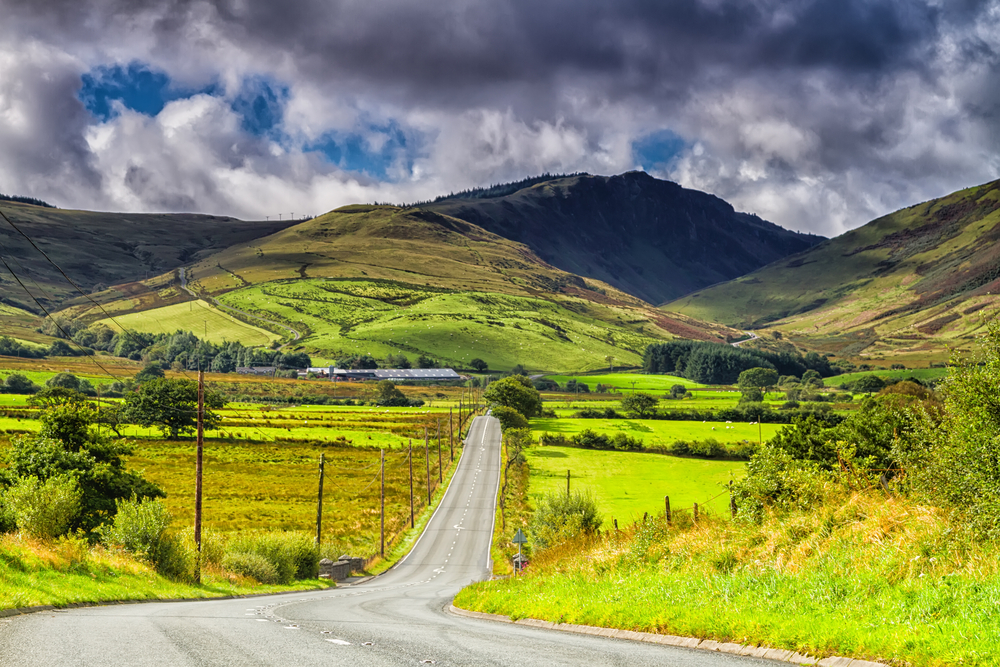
519 539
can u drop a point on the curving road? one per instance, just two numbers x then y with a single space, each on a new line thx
398 618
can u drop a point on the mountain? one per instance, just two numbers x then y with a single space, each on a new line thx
99 249
914 282
385 280
647 237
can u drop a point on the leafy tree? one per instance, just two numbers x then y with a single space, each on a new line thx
387 394
69 446
295 360
172 406
397 361
869 384
424 361
15 383
678 391
50 396
44 509
509 418
639 404
70 381
150 371
60 348
577 387
478 364
758 378
517 392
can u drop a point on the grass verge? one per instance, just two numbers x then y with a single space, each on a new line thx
862 576
34 573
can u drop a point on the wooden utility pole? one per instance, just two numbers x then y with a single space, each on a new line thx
451 434
440 478
410 457
567 482
197 470
319 502
427 463
381 527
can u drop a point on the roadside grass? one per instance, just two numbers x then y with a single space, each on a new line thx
204 320
862 576
659 431
68 571
628 484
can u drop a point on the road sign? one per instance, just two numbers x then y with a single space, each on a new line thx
519 538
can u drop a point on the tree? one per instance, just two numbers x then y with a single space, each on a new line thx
50 396
509 418
15 383
424 361
152 371
387 394
639 404
171 405
758 378
869 384
295 360
69 446
678 391
517 392
479 365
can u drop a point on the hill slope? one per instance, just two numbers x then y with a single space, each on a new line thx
382 279
101 249
647 237
914 281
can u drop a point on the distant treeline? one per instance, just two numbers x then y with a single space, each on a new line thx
719 363
497 190
25 200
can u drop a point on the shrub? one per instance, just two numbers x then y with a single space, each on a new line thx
251 565
509 417
140 527
44 509
562 516
293 555
777 480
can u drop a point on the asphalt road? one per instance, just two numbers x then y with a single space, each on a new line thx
398 618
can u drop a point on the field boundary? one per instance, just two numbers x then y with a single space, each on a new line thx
747 650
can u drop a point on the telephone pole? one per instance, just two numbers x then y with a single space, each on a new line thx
451 434
440 478
427 463
410 457
319 503
381 527
198 469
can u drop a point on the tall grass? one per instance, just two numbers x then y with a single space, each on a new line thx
863 576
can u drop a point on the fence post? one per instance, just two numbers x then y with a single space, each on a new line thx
696 512
666 501
567 482
732 500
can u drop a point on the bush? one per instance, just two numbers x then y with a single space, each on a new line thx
589 439
777 480
562 516
44 509
140 527
15 383
251 565
293 555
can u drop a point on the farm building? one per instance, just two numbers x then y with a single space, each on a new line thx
256 370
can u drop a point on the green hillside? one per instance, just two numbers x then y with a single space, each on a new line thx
383 279
914 282
98 249
207 322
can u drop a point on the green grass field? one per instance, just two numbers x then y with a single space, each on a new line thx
378 318
919 373
627 484
624 381
205 321
653 431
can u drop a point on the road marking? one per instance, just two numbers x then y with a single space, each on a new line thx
340 642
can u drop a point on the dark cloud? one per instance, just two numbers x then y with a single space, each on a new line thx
867 104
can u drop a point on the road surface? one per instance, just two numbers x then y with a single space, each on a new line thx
399 618
752 335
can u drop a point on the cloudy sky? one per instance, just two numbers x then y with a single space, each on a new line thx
818 114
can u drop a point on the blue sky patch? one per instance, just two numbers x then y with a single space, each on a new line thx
657 149
138 87
261 105
371 152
